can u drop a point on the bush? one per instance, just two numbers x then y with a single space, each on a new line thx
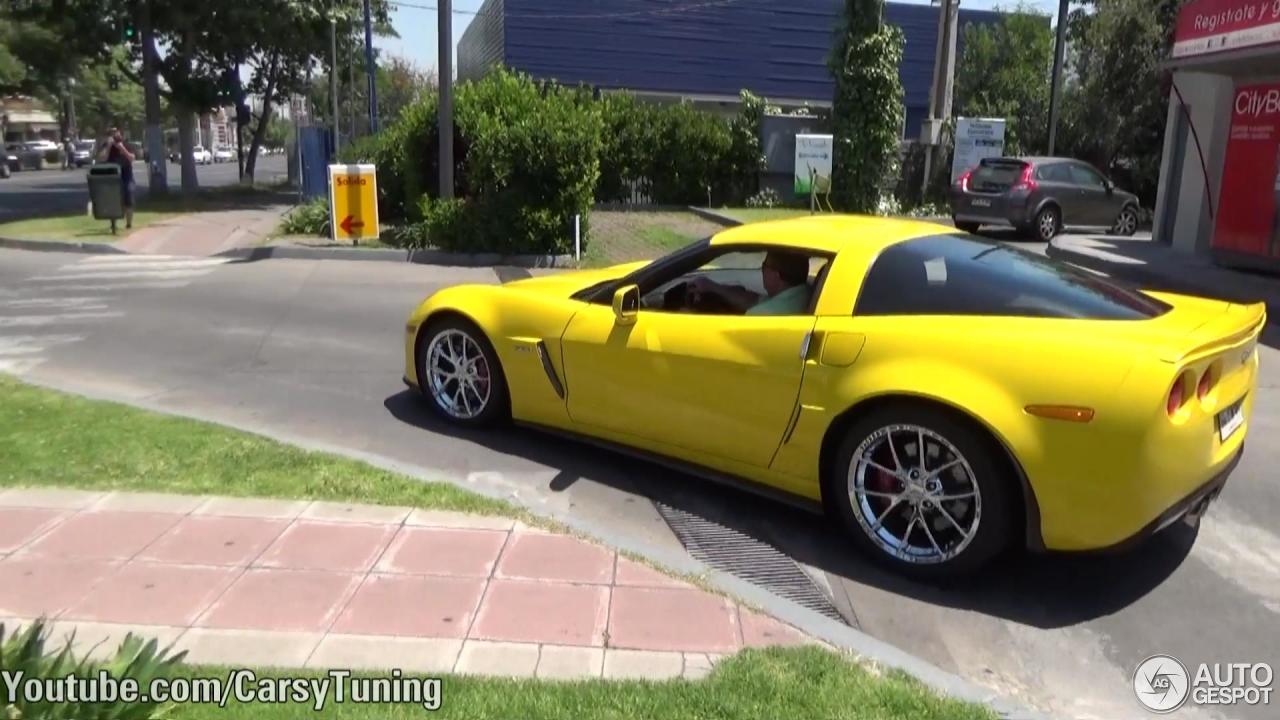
311 218
530 163
24 651
766 198
628 146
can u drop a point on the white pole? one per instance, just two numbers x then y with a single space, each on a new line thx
577 238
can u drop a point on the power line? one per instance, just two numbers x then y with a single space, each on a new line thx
575 16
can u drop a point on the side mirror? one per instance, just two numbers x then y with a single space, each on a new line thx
626 304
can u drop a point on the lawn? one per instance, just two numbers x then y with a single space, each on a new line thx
751 215
78 228
617 236
771 683
53 439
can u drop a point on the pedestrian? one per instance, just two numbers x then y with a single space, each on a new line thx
115 151
68 154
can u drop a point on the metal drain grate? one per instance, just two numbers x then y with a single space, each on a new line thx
745 557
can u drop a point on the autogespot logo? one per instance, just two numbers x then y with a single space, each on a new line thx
1161 683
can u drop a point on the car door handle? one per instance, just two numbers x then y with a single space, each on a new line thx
804 345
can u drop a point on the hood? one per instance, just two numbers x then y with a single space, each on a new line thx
570 282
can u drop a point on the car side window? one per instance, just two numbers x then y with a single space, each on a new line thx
1057 173
1087 176
756 280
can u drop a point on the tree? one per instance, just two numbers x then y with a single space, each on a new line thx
868 107
400 82
1004 72
99 108
1115 107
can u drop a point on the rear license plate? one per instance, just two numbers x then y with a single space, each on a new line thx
979 202
1230 420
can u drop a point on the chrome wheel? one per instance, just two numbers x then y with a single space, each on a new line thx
1127 222
458 375
914 494
1048 223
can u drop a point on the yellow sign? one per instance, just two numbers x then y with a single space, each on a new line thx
353 202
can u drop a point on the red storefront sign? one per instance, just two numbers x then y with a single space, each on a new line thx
1248 218
1210 26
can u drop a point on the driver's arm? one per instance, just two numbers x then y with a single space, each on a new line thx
739 297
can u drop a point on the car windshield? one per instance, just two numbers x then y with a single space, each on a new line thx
963 275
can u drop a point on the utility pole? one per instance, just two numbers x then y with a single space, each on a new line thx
373 75
944 69
333 79
446 98
351 86
1055 93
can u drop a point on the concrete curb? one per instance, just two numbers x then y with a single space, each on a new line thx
715 217
1143 274
421 257
55 246
841 636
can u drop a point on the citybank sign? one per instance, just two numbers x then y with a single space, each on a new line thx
1212 26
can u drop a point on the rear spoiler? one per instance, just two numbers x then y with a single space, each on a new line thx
1238 325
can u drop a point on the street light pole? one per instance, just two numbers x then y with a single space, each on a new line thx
446 98
368 58
333 80
1055 92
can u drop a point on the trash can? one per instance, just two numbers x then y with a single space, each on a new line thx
106 193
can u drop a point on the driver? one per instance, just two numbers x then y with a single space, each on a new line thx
786 283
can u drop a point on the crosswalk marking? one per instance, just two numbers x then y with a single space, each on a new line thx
144 265
79 296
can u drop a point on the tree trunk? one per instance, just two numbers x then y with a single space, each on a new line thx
264 120
153 136
186 144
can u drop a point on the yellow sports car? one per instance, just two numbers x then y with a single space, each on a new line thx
943 395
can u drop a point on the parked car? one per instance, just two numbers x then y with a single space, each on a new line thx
83 153
1041 196
36 154
223 154
202 156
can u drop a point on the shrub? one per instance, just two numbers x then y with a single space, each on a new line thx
691 156
766 198
311 218
628 146
24 651
531 163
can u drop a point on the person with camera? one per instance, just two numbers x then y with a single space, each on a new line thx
115 151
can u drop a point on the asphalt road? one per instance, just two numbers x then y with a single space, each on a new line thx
312 350
43 192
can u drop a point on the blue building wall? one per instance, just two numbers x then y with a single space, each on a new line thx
775 49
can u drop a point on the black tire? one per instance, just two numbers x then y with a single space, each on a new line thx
968 227
498 405
1048 223
1126 222
990 475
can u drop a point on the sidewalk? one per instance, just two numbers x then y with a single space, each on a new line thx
321 585
1158 267
204 233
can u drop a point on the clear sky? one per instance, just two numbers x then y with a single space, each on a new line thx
417 26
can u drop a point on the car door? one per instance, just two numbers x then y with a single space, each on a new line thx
723 385
1095 199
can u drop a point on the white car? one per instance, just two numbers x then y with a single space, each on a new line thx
223 155
201 156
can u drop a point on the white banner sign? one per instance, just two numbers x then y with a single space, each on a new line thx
976 139
813 163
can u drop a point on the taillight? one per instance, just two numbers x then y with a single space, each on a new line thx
1177 395
1206 385
964 180
1028 179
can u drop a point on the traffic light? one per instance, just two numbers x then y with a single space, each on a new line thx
127 31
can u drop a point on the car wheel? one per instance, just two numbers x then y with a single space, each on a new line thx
460 374
968 227
1126 222
4 171
922 492
1048 223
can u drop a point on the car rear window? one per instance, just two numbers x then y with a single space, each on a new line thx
996 176
963 275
